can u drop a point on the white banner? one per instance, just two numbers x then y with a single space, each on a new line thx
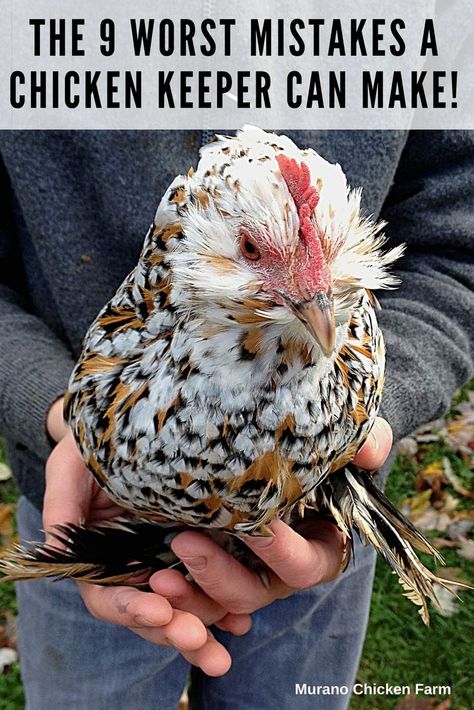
207 64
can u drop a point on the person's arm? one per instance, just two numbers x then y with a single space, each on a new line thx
35 365
428 321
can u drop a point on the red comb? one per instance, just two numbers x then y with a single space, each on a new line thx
304 194
298 179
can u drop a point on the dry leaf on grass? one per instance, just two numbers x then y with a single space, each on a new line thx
6 524
442 542
408 446
6 518
454 480
417 504
431 432
8 656
8 629
432 477
414 702
452 573
433 520
460 431
419 510
445 604
5 472
447 504
467 548
459 527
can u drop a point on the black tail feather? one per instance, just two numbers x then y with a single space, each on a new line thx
106 553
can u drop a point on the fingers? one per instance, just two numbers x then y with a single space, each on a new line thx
233 586
153 619
213 659
301 562
377 446
296 563
72 495
55 424
126 606
69 485
188 597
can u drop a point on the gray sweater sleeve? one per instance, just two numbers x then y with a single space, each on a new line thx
34 371
428 321
34 364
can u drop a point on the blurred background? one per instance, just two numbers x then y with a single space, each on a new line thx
432 483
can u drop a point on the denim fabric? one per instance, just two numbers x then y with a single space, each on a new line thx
70 660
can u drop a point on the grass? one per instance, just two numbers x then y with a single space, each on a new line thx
11 689
399 649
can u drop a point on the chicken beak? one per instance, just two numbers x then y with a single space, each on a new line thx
318 318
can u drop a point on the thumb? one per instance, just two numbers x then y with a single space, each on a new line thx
376 447
69 487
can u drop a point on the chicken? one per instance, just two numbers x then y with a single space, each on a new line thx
237 370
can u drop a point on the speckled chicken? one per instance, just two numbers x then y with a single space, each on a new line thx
237 370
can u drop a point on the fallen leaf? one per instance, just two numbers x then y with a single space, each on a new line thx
8 656
467 548
408 446
414 702
445 603
459 527
6 518
437 425
8 629
441 542
460 433
454 480
5 472
427 438
445 705
6 524
447 504
431 519
417 504
452 573
432 476
421 513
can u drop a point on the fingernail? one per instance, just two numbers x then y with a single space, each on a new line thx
259 541
170 537
197 563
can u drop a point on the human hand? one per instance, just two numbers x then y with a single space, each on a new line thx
296 558
225 592
73 496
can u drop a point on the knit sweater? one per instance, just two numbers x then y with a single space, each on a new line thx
75 209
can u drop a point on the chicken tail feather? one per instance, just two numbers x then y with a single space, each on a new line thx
354 501
112 552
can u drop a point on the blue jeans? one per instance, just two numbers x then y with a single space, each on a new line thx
70 660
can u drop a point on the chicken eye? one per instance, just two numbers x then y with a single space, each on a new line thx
248 248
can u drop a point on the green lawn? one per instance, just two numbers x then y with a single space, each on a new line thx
399 649
11 690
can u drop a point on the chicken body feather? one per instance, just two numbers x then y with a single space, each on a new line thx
239 367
